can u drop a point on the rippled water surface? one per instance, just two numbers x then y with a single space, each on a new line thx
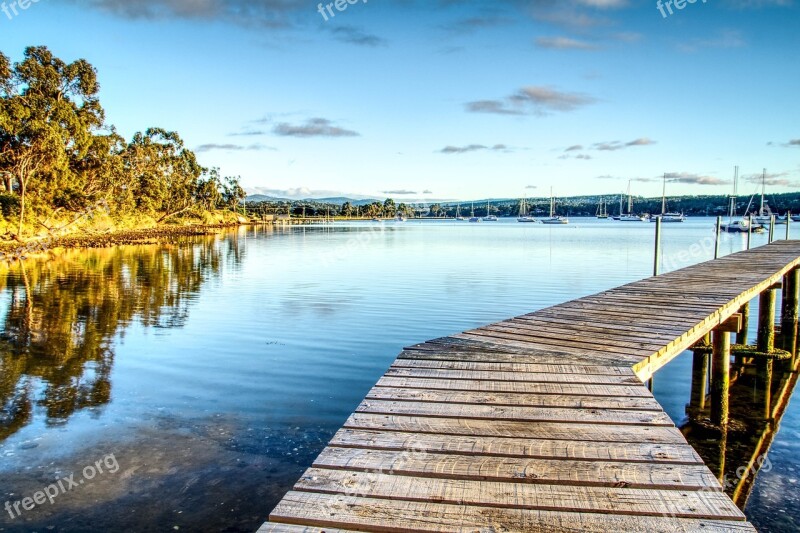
214 369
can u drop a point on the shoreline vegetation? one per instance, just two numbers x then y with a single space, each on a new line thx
66 174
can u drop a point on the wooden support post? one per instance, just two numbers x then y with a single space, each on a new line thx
720 377
764 368
741 337
791 295
697 400
788 223
719 231
749 230
771 228
656 261
766 321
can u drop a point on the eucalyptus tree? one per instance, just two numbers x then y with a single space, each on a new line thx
163 171
49 111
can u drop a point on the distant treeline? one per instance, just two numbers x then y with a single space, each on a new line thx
60 160
575 206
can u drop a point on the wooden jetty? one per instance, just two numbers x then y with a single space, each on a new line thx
543 422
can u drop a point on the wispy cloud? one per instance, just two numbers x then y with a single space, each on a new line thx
534 100
638 179
400 192
263 13
314 127
531 187
694 179
473 148
564 43
722 39
248 133
778 179
357 36
574 148
231 147
619 145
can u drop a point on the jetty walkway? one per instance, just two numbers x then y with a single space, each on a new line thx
544 422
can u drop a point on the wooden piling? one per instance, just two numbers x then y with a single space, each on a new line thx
699 381
749 230
788 224
764 367
720 377
789 312
766 321
656 260
719 232
771 228
742 336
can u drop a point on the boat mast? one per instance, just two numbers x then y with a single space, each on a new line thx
732 209
763 187
630 198
552 203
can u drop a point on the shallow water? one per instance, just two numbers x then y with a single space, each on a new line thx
214 369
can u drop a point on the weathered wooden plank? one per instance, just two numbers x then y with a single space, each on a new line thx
615 359
529 356
514 429
535 377
601 342
563 327
517 447
559 342
399 516
287 528
619 500
519 387
527 414
516 367
415 463
514 399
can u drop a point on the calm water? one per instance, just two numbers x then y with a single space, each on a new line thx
215 369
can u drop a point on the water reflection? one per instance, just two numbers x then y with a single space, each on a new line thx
759 395
60 320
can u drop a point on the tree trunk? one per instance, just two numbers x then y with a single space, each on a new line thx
21 204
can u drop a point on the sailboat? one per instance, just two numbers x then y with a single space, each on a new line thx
472 217
664 216
743 225
554 219
489 217
523 212
602 211
458 213
620 208
763 216
630 217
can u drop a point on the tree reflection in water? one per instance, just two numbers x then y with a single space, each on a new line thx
60 319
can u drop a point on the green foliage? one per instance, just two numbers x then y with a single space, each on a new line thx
58 156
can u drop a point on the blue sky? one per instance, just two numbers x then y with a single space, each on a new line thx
448 99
